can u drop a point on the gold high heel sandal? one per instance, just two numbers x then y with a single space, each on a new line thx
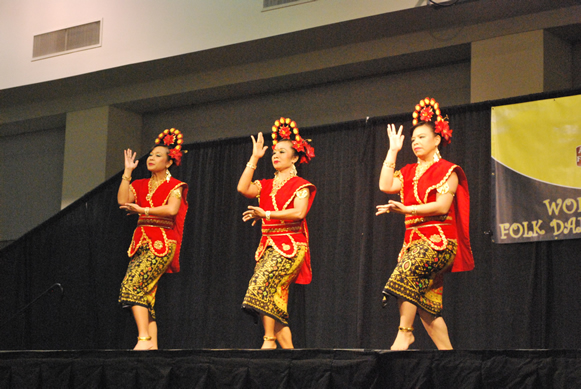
406 329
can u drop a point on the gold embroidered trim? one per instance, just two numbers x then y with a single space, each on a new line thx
275 189
145 241
134 192
155 221
417 175
425 219
151 192
441 183
294 194
176 193
281 227
294 227
283 232
259 185
301 194
397 174
430 242
271 243
435 238
170 193
428 225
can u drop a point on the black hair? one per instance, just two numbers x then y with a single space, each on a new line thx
422 123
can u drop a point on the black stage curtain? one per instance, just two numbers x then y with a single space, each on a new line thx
519 295
312 368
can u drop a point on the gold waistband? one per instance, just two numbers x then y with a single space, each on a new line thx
155 221
280 229
412 220
428 225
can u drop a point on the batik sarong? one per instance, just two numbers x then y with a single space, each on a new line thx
419 275
268 288
143 273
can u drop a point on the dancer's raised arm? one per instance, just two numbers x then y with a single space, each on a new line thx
245 186
386 182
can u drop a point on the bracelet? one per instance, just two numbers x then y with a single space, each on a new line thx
251 165
126 178
146 211
414 210
267 215
389 164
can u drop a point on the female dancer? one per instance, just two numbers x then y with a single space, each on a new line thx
435 200
283 253
161 204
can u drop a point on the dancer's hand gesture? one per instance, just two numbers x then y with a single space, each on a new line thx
395 138
130 162
254 214
258 147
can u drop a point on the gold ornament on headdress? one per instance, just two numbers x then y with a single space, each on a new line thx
173 139
285 128
424 112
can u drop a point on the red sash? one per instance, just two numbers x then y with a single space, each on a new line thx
285 235
436 230
157 232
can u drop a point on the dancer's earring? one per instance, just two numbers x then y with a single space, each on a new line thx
167 175
437 155
293 171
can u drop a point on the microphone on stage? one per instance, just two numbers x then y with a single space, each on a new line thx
60 287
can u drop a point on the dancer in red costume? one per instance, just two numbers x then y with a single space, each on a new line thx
161 204
434 198
283 255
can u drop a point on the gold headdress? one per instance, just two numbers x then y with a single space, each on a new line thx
424 112
285 128
173 139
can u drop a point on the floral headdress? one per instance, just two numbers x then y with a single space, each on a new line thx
173 139
285 128
424 112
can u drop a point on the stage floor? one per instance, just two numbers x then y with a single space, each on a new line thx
300 368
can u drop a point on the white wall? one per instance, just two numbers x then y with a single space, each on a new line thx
142 30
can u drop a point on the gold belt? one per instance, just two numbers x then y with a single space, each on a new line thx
281 229
160 222
428 225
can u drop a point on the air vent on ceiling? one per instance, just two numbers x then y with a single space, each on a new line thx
68 40
267 5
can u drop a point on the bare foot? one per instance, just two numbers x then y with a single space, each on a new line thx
403 340
144 345
269 344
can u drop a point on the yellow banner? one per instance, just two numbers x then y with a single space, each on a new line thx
536 164
539 139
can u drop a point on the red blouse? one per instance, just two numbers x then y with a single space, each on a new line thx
156 231
285 235
436 230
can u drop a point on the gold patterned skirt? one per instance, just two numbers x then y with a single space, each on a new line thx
140 283
268 288
419 275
